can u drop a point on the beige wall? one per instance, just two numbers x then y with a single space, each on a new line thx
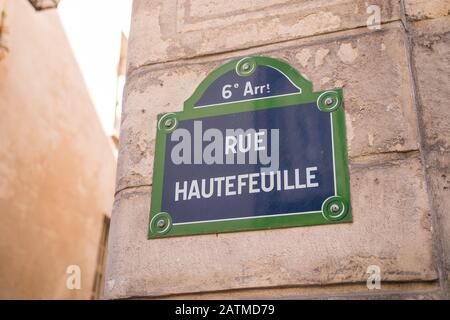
56 164
395 80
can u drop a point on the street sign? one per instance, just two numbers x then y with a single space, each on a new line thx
253 148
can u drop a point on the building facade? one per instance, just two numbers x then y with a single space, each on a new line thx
392 59
57 167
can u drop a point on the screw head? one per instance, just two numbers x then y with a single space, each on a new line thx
168 123
335 208
328 101
246 66
161 224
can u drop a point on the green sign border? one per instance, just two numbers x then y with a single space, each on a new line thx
335 209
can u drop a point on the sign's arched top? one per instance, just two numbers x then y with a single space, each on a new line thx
249 79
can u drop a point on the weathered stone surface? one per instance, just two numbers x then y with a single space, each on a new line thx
169 30
431 55
426 9
439 183
391 229
371 66
431 52
395 290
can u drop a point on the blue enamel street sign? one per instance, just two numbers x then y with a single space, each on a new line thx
254 148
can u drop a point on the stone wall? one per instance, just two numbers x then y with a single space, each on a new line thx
396 83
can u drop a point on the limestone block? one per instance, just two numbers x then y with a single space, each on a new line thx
431 56
391 229
388 291
439 184
371 66
426 9
169 30
431 52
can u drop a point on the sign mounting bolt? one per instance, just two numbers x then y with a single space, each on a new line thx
328 101
161 224
246 66
335 208
168 123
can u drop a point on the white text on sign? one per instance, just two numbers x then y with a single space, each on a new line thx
249 90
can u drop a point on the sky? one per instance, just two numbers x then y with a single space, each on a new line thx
94 30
